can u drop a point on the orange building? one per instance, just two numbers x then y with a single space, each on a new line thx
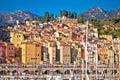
31 52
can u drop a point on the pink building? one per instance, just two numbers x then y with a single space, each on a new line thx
6 52
2 53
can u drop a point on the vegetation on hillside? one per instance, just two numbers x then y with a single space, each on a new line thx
68 14
107 26
48 16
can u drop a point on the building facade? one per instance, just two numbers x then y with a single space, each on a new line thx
65 54
7 52
16 38
31 52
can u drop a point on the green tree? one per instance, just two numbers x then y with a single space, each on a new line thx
74 15
102 31
35 18
96 23
116 33
80 18
38 18
51 16
69 15
46 17
63 13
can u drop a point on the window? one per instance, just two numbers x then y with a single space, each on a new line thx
53 51
10 54
37 55
105 56
33 58
37 45
18 35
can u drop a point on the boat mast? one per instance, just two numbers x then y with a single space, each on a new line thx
111 63
82 69
96 62
113 60
86 52
119 57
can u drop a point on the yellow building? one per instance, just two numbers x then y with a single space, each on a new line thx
31 52
104 54
16 38
108 37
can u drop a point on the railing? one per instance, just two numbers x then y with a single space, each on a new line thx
11 67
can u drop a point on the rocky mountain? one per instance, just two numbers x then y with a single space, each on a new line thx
10 18
21 15
99 13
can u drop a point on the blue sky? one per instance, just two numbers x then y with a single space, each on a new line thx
54 6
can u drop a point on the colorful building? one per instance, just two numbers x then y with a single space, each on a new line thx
16 38
65 54
52 49
7 52
2 53
103 55
31 52
52 55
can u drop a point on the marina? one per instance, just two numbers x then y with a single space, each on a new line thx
59 46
